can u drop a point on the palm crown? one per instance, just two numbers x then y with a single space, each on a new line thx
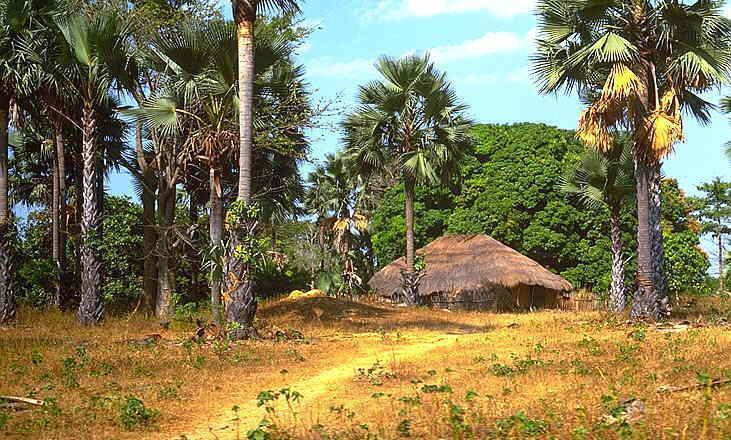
411 117
640 64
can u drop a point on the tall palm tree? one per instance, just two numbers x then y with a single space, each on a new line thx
606 179
17 28
245 13
242 299
639 65
104 61
411 118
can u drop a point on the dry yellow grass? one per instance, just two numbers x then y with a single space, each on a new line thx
367 371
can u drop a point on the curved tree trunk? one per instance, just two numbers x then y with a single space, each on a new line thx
242 305
91 306
644 303
658 253
216 234
7 288
617 291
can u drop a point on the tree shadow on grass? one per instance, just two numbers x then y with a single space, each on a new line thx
355 316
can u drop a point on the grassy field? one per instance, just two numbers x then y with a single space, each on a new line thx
335 369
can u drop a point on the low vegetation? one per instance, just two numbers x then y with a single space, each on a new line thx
329 368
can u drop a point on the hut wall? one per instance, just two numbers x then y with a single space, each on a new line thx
495 298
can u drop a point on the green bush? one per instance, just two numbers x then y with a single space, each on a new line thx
133 414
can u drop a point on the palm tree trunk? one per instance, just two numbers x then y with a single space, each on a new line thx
59 217
7 290
216 234
617 298
192 248
245 38
409 213
721 286
409 278
55 235
644 303
149 240
658 253
149 233
166 271
242 304
91 306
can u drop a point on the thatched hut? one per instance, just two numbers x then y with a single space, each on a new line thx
476 272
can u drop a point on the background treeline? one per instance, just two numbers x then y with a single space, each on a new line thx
509 187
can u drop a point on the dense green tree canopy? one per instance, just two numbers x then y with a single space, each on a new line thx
511 190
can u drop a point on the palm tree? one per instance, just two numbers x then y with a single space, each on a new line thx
242 299
333 197
104 61
606 179
18 26
411 119
245 12
639 66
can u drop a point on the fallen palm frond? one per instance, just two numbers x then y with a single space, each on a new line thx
715 383
27 400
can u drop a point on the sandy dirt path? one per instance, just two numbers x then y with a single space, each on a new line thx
325 385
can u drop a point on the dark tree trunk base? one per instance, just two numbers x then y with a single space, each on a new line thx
410 286
7 288
645 304
241 308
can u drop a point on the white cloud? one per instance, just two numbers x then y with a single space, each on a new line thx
401 9
488 44
326 67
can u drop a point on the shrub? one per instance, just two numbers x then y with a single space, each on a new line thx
133 413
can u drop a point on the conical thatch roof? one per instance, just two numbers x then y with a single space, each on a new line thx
469 263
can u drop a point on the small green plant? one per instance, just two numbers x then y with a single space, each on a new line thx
502 370
521 423
638 334
627 353
456 420
169 392
133 413
261 432
4 419
69 372
579 367
101 369
592 346
374 374
444 388
404 428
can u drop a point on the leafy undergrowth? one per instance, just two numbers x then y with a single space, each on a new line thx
365 371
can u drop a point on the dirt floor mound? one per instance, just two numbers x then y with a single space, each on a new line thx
322 308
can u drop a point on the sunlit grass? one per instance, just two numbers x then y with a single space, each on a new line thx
365 370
